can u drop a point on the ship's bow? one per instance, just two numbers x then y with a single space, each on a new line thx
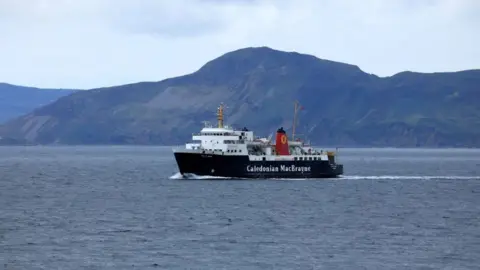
194 163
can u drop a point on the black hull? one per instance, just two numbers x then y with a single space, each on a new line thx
242 167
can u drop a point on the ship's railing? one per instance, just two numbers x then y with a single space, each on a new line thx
214 134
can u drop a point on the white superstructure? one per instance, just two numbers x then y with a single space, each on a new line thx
224 140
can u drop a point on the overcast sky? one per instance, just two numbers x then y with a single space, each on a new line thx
96 43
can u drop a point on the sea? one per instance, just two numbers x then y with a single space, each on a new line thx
126 207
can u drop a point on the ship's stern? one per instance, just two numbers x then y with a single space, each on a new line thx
338 170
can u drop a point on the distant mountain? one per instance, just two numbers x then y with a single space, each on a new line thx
344 106
18 100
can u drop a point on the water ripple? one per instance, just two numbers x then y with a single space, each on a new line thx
119 208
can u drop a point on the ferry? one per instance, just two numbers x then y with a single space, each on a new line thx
223 151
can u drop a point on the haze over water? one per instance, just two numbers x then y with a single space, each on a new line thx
123 208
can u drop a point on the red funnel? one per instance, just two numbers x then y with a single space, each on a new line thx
281 142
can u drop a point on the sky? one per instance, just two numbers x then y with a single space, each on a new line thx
86 44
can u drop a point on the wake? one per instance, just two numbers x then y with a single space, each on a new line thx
409 177
343 177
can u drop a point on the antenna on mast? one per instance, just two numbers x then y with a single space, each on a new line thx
221 114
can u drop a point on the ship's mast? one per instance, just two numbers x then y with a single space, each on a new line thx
295 110
220 116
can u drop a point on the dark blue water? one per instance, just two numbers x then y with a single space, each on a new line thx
117 208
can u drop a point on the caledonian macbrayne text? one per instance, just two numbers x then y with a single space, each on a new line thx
281 168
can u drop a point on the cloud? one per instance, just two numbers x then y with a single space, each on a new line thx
95 43
168 18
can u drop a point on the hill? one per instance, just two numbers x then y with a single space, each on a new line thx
18 100
343 105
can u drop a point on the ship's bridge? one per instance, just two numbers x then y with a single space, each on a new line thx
222 138
216 131
223 135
